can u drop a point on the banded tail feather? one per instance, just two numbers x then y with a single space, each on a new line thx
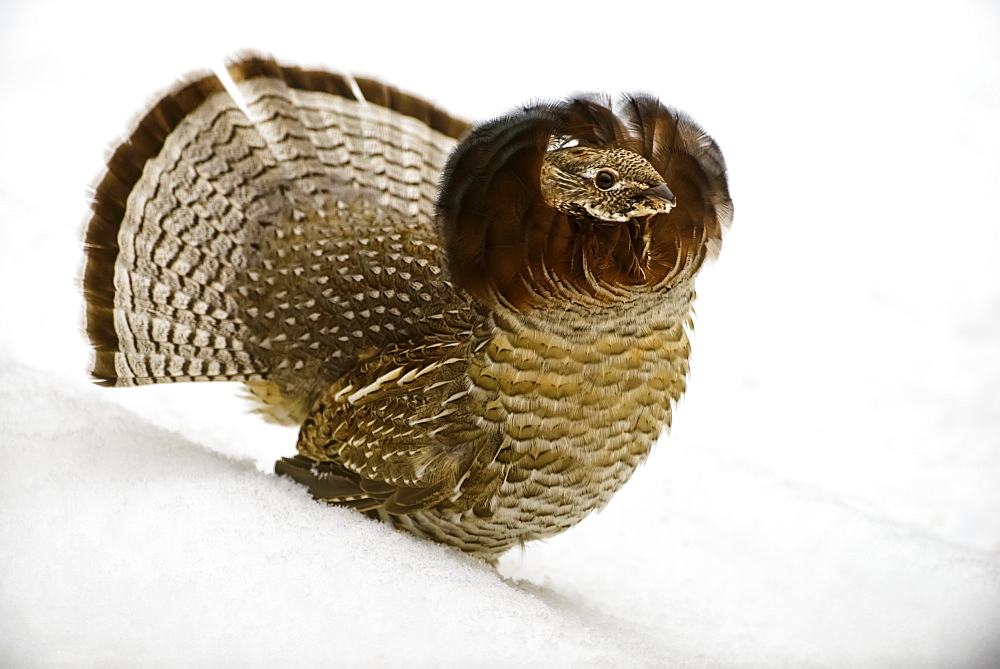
179 213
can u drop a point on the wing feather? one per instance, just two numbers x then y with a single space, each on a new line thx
397 435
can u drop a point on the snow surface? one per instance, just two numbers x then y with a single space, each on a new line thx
829 496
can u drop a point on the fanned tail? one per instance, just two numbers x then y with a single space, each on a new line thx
180 216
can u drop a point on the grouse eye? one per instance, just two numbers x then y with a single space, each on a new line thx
605 179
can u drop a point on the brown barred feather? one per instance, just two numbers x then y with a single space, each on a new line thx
374 92
110 201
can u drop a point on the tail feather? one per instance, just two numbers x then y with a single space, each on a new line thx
192 196
163 245
387 145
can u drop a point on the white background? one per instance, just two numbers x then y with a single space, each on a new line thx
830 494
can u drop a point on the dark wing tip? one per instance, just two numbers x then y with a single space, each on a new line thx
327 482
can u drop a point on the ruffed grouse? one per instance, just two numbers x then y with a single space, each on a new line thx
481 331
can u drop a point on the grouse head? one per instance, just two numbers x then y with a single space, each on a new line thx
582 200
612 185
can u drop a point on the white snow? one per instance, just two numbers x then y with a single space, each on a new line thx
830 495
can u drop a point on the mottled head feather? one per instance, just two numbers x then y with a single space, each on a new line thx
507 244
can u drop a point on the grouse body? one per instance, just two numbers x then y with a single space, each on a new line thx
481 330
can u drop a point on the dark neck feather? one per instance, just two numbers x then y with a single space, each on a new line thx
506 245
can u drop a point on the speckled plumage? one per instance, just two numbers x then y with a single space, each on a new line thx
483 363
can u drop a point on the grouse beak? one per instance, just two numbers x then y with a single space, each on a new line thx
660 198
